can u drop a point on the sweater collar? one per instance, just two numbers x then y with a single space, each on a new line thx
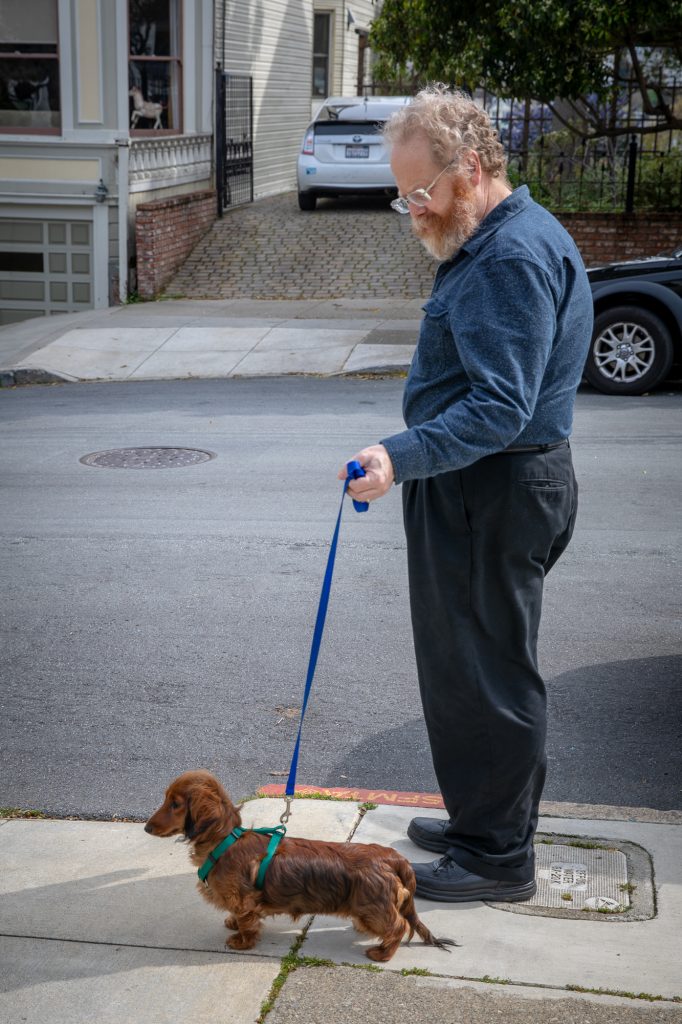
519 199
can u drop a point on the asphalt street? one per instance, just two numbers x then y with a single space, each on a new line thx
157 620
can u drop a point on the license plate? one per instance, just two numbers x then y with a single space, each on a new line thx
353 152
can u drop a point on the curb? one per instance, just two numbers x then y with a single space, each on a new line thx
375 796
28 376
21 377
390 370
434 801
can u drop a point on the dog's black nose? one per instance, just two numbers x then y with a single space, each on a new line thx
148 828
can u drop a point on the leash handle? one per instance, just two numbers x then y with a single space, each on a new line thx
355 471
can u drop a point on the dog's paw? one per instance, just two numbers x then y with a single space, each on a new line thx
240 941
231 923
378 954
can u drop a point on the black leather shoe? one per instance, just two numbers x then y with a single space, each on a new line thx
429 833
447 882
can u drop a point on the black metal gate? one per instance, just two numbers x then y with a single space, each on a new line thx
234 139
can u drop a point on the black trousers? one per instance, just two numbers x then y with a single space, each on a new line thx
480 542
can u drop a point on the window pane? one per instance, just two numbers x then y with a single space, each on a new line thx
154 28
29 93
32 22
57 234
14 290
58 292
321 37
155 99
22 262
57 262
80 234
319 76
80 263
321 33
21 231
81 292
13 316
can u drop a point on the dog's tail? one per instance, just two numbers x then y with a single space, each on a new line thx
409 913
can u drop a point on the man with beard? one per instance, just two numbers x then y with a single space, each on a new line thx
489 494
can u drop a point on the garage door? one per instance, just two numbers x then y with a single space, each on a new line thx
45 267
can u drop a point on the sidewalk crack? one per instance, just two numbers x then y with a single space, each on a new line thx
150 354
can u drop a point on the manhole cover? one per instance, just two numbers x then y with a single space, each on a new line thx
147 458
580 876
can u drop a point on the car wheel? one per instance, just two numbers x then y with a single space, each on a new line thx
306 201
631 351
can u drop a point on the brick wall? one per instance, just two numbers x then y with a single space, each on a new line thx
166 231
603 237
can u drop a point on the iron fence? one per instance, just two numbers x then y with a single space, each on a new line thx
636 166
234 139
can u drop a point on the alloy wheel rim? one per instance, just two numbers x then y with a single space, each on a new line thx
624 352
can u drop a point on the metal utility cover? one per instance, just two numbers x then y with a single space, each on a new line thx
568 875
589 879
147 458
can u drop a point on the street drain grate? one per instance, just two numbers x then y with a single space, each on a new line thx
588 878
147 458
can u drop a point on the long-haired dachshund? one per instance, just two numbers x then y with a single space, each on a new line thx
371 884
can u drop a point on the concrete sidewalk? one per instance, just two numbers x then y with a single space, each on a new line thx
102 923
231 338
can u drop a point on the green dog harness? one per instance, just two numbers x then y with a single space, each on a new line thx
276 834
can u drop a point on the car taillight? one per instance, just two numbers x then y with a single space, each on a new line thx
309 144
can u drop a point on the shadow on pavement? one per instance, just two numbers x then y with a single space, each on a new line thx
613 738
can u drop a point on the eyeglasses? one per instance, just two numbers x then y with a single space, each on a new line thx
420 196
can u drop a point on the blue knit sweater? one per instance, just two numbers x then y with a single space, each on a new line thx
502 345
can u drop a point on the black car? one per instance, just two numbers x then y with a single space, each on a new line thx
638 324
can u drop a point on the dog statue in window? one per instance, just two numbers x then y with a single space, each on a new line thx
143 108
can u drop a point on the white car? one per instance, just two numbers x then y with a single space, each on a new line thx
343 151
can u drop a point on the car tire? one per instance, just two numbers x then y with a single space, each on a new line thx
306 201
631 351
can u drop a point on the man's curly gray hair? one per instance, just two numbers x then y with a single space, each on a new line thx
451 122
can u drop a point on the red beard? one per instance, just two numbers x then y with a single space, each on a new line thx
443 235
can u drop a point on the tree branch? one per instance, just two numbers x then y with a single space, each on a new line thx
641 81
567 124
594 121
612 133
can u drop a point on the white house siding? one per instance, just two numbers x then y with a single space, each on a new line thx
347 43
271 40
344 45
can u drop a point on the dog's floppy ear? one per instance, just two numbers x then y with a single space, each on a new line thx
203 811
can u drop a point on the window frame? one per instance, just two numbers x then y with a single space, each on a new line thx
56 56
146 133
329 15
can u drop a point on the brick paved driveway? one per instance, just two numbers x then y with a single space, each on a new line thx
350 248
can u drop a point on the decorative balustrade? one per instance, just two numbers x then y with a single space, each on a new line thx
169 160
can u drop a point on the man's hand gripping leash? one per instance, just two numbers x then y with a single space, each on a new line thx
377 477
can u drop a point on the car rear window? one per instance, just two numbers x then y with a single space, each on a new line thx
348 127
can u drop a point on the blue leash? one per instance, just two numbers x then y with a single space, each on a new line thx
355 471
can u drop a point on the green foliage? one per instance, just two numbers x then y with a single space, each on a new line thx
660 183
562 175
539 49
647 996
